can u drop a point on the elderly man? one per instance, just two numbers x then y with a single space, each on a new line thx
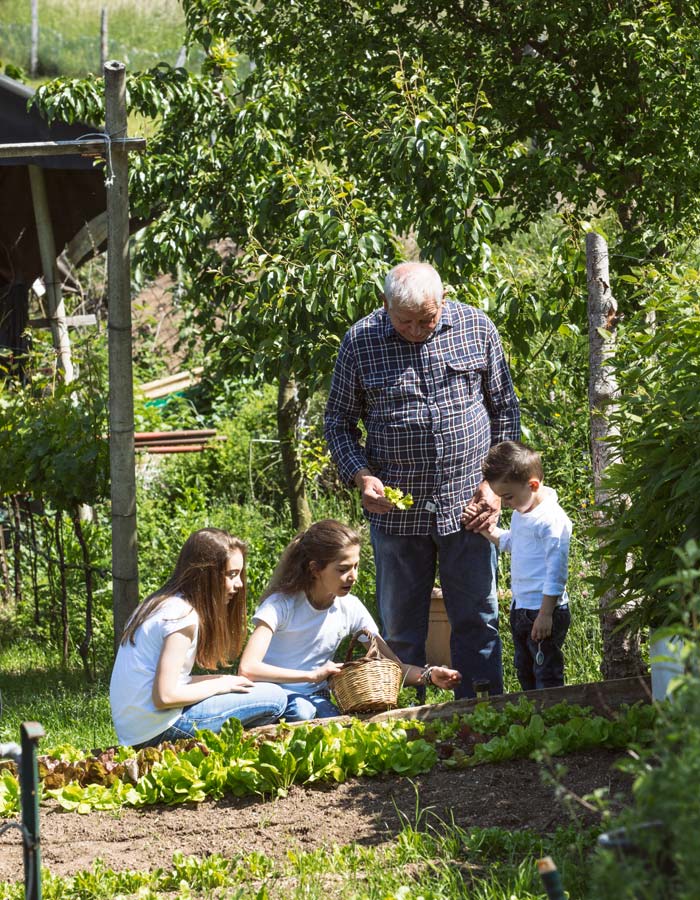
429 381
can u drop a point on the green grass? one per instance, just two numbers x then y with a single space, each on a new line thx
36 688
428 860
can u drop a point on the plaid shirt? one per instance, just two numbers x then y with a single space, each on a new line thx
431 410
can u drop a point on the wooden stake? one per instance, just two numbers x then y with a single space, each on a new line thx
121 391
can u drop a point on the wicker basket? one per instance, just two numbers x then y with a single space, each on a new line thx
369 684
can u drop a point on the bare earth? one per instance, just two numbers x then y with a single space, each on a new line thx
368 811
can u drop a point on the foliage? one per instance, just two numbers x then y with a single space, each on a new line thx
654 482
52 443
489 735
230 762
661 826
239 763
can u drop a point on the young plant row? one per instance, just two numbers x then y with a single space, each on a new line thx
489 735
240 763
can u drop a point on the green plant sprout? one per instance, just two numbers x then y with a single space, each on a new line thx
398 498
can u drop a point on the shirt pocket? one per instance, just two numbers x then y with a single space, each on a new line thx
463 379
392 396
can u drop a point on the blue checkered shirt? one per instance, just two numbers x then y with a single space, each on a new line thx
431 411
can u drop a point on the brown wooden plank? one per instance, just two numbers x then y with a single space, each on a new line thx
603 696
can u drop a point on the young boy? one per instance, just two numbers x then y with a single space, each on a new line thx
538 540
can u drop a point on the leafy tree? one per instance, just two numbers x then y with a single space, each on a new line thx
654 487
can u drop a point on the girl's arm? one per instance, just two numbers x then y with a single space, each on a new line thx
439 676
253 667
168 692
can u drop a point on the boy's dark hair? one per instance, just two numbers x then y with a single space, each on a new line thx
512 461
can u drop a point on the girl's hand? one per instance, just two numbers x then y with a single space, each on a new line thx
325 671
445 678
234 684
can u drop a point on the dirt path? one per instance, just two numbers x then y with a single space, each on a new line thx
368 811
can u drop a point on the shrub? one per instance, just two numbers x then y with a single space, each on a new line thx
654 482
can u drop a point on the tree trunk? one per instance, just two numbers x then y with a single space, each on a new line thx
291 403
621 651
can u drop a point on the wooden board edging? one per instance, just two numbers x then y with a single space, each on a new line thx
603 696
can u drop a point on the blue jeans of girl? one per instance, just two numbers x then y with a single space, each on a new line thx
264 703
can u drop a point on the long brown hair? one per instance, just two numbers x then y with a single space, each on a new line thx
200 577
321 543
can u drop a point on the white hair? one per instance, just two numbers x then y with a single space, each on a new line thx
412 284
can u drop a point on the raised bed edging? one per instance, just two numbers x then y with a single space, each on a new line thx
603 696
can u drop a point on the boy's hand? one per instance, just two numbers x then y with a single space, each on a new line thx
483 509
542 626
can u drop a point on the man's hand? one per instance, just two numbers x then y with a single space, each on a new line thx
372 491
482 510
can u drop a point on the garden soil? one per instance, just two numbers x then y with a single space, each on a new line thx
512 795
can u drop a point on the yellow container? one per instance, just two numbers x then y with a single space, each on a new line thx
437 646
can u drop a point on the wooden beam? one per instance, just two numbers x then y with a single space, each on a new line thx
69 321
87 147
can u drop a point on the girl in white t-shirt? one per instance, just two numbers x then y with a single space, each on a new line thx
198 616
306 611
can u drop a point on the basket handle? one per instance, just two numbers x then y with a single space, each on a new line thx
354 640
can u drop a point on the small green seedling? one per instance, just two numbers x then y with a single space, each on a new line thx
398 498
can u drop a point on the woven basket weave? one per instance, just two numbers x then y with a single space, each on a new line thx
369 684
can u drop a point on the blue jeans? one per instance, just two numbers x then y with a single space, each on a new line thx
550 672
302 707
406 567
264 703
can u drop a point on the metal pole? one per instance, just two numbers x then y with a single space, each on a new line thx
29 785
121 388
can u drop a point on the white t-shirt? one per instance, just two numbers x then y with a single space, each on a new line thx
539 545
136 719
305 637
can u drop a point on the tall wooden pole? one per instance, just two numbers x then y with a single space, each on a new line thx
121 390
621 650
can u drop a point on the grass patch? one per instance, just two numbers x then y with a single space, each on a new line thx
35 687
433 862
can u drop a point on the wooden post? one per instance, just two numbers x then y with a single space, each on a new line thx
47 248
34 46
104 37
121 390
621 649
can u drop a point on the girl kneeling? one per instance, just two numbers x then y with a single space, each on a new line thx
306 611
199 615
